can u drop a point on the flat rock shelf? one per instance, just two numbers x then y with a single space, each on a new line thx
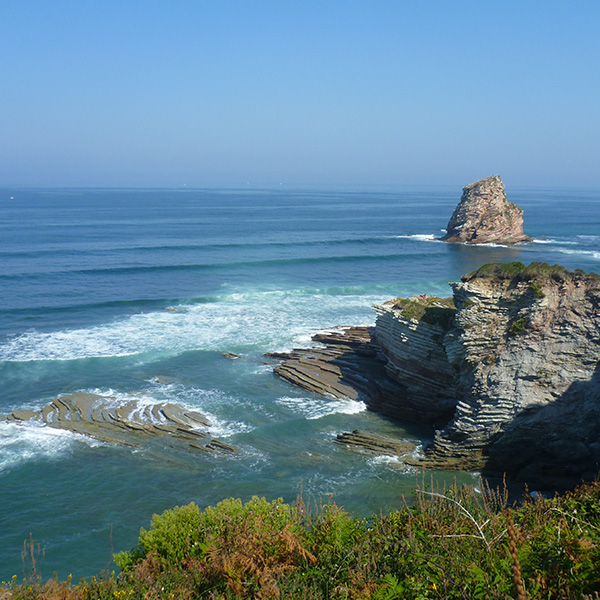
345 366
129 424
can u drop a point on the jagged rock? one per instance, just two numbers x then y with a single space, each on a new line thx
127 424
523 348
375 443
484 215
162 380
508 370
346 367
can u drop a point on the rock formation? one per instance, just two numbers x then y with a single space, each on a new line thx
128 424
346 367
525 348
508 371
484 215
369 442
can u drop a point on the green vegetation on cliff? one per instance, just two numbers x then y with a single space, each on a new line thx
539 272
429 309
452 543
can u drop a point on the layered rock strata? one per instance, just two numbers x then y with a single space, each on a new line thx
484 215
127 424
345 366
525 347
408 335
508 370
375 443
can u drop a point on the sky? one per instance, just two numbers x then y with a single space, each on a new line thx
226 93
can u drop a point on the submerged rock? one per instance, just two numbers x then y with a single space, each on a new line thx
129 424
484 215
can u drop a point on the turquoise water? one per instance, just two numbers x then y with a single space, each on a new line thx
106 290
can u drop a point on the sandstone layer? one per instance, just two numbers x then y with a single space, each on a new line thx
484 215
345 366
370 442
508 372
127 424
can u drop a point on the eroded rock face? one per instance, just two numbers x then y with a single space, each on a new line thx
508 371
484 215
345 367
524 346
420 385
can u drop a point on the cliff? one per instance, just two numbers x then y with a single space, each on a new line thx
520 359
507 371
484 215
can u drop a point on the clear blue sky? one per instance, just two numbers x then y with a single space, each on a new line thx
224 92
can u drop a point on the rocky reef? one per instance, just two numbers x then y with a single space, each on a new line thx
484 215
507 371
127 424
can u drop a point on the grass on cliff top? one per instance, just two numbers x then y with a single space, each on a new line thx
537 271
450 543
430 309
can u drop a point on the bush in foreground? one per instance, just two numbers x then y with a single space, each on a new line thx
454 543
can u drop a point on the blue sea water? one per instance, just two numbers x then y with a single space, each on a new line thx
116 291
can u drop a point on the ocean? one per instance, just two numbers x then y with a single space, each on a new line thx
137 293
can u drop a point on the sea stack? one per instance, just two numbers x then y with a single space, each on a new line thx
484 216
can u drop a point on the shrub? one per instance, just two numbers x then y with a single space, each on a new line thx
517 327
451 543
173 536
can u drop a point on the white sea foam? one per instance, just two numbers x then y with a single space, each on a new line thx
263 320
23 442
421 237
316 408
589 253
553 241
224 429
384 459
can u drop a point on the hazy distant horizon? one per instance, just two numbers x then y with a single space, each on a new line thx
121 94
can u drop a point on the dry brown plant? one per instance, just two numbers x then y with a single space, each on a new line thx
512 546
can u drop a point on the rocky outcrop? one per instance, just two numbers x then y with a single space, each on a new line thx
508 371
484 215
127 424
369 442
345 366
419 385
525 346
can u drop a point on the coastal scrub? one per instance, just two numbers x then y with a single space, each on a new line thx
459 542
